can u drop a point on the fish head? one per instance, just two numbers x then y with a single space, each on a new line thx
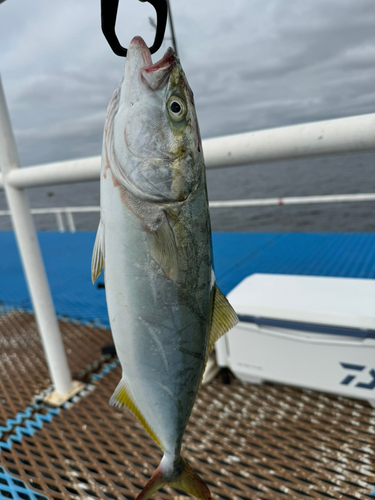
153 140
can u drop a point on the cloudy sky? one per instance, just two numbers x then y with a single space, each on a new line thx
251 63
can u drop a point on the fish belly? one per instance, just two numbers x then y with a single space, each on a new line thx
160 331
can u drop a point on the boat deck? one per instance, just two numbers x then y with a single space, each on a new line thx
67 259
248 442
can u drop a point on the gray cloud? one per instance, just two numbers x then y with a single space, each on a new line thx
251 63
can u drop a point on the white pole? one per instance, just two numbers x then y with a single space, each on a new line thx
294 200
355 134
256 202
32 259
60 222
70 219
350 135
62 172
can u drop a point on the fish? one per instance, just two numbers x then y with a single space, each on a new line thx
154 243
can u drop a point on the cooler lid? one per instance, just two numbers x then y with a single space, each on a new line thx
345 302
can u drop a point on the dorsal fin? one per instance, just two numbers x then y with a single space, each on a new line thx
224 318
121 397
97 261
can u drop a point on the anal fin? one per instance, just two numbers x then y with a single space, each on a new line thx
121 397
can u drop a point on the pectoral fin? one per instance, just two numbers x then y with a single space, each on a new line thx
121 397
224 318
97 261
163 249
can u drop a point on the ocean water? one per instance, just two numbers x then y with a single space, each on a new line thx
319 176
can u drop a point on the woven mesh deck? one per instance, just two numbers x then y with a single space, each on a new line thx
248 442
23 368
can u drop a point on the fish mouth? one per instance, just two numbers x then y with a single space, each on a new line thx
154 74
138 49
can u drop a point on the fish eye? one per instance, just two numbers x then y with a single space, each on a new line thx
176 108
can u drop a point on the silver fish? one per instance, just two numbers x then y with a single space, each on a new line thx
154 242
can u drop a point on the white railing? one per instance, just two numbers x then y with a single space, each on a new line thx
331 137
58 212
257 202
294 200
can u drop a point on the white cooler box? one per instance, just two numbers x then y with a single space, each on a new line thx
313 332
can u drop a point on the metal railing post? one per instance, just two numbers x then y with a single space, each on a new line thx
60 222
70 219
32 259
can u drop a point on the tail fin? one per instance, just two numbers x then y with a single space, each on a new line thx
188 481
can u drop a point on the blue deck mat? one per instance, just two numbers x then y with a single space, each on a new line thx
67 259
15 489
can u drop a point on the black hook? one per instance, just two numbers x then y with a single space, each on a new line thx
109 14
